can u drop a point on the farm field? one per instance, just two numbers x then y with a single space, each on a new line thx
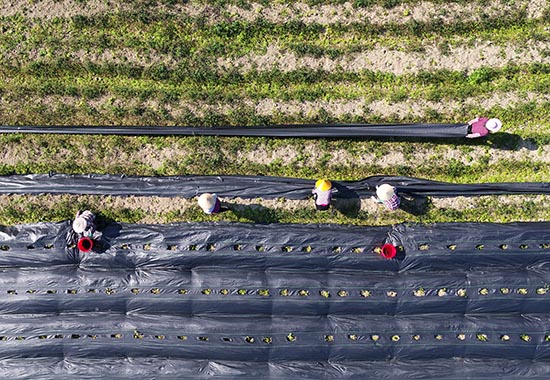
238 62
292 292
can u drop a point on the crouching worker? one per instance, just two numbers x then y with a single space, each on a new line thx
84 228
322 193
482 126
210 203
387 195
84 223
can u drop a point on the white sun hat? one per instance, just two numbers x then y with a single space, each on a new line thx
385 192
207 202
79 225
493 125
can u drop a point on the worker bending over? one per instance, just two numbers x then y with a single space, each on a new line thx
387 195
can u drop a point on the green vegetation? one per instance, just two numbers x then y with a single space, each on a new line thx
356 3
32 209
150 63
61 77
153 32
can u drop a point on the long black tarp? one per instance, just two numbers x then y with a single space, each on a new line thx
248 186
297 130
71 368
460 246
282 301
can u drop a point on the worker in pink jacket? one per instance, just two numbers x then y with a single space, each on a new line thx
482 126
387 195
322 193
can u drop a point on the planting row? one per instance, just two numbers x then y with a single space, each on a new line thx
290 292
424 338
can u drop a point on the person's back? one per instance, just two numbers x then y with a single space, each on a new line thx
84 223
323 194
387 195
209 203
482 126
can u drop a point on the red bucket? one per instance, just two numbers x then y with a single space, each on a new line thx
85 244
388 251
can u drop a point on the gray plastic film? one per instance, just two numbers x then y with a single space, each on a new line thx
298 130
248 186
283 301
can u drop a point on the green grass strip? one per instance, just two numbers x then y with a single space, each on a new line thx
388 4
202 82
487 209
246 4
183 36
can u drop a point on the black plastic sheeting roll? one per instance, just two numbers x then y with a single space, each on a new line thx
248 186
200 291
252 247
276 338
297 130
163 369
223 300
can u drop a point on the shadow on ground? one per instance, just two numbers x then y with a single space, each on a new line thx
348 207
415 205
254 213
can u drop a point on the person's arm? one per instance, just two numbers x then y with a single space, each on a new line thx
473 135
473 121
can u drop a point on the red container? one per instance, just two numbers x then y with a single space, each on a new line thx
85 244
388 251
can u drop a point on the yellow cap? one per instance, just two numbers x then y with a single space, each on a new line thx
323 184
